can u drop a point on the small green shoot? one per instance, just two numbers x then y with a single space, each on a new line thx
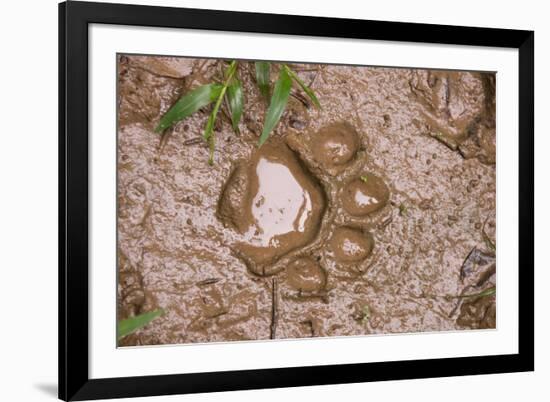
487 292
231 90
402 210
490 245
130 325
364 179
365 314
488 242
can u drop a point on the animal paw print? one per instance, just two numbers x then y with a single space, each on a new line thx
307 205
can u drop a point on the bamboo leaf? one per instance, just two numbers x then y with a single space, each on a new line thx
309 92
277 105
262 77
189 104
236 102
126 327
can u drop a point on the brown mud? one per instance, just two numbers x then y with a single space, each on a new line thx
383 201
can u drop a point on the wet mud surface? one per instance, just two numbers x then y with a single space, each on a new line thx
373 215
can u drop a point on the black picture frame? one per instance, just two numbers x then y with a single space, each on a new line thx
74 381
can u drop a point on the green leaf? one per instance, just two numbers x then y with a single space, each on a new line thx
189 104
236 102
126 327
277 105
304 87
262 77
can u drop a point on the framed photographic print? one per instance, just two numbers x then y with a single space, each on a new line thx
258 201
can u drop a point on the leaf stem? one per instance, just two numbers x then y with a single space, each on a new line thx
230 72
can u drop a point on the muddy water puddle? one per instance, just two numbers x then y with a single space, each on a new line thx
372 215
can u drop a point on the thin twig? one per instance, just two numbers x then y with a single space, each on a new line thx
314 78
385 222
486 237
309 323
273 308
201 66
302 70
208 281
444 140
194 141
463 272
322 295
301 99
152 72
145 216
